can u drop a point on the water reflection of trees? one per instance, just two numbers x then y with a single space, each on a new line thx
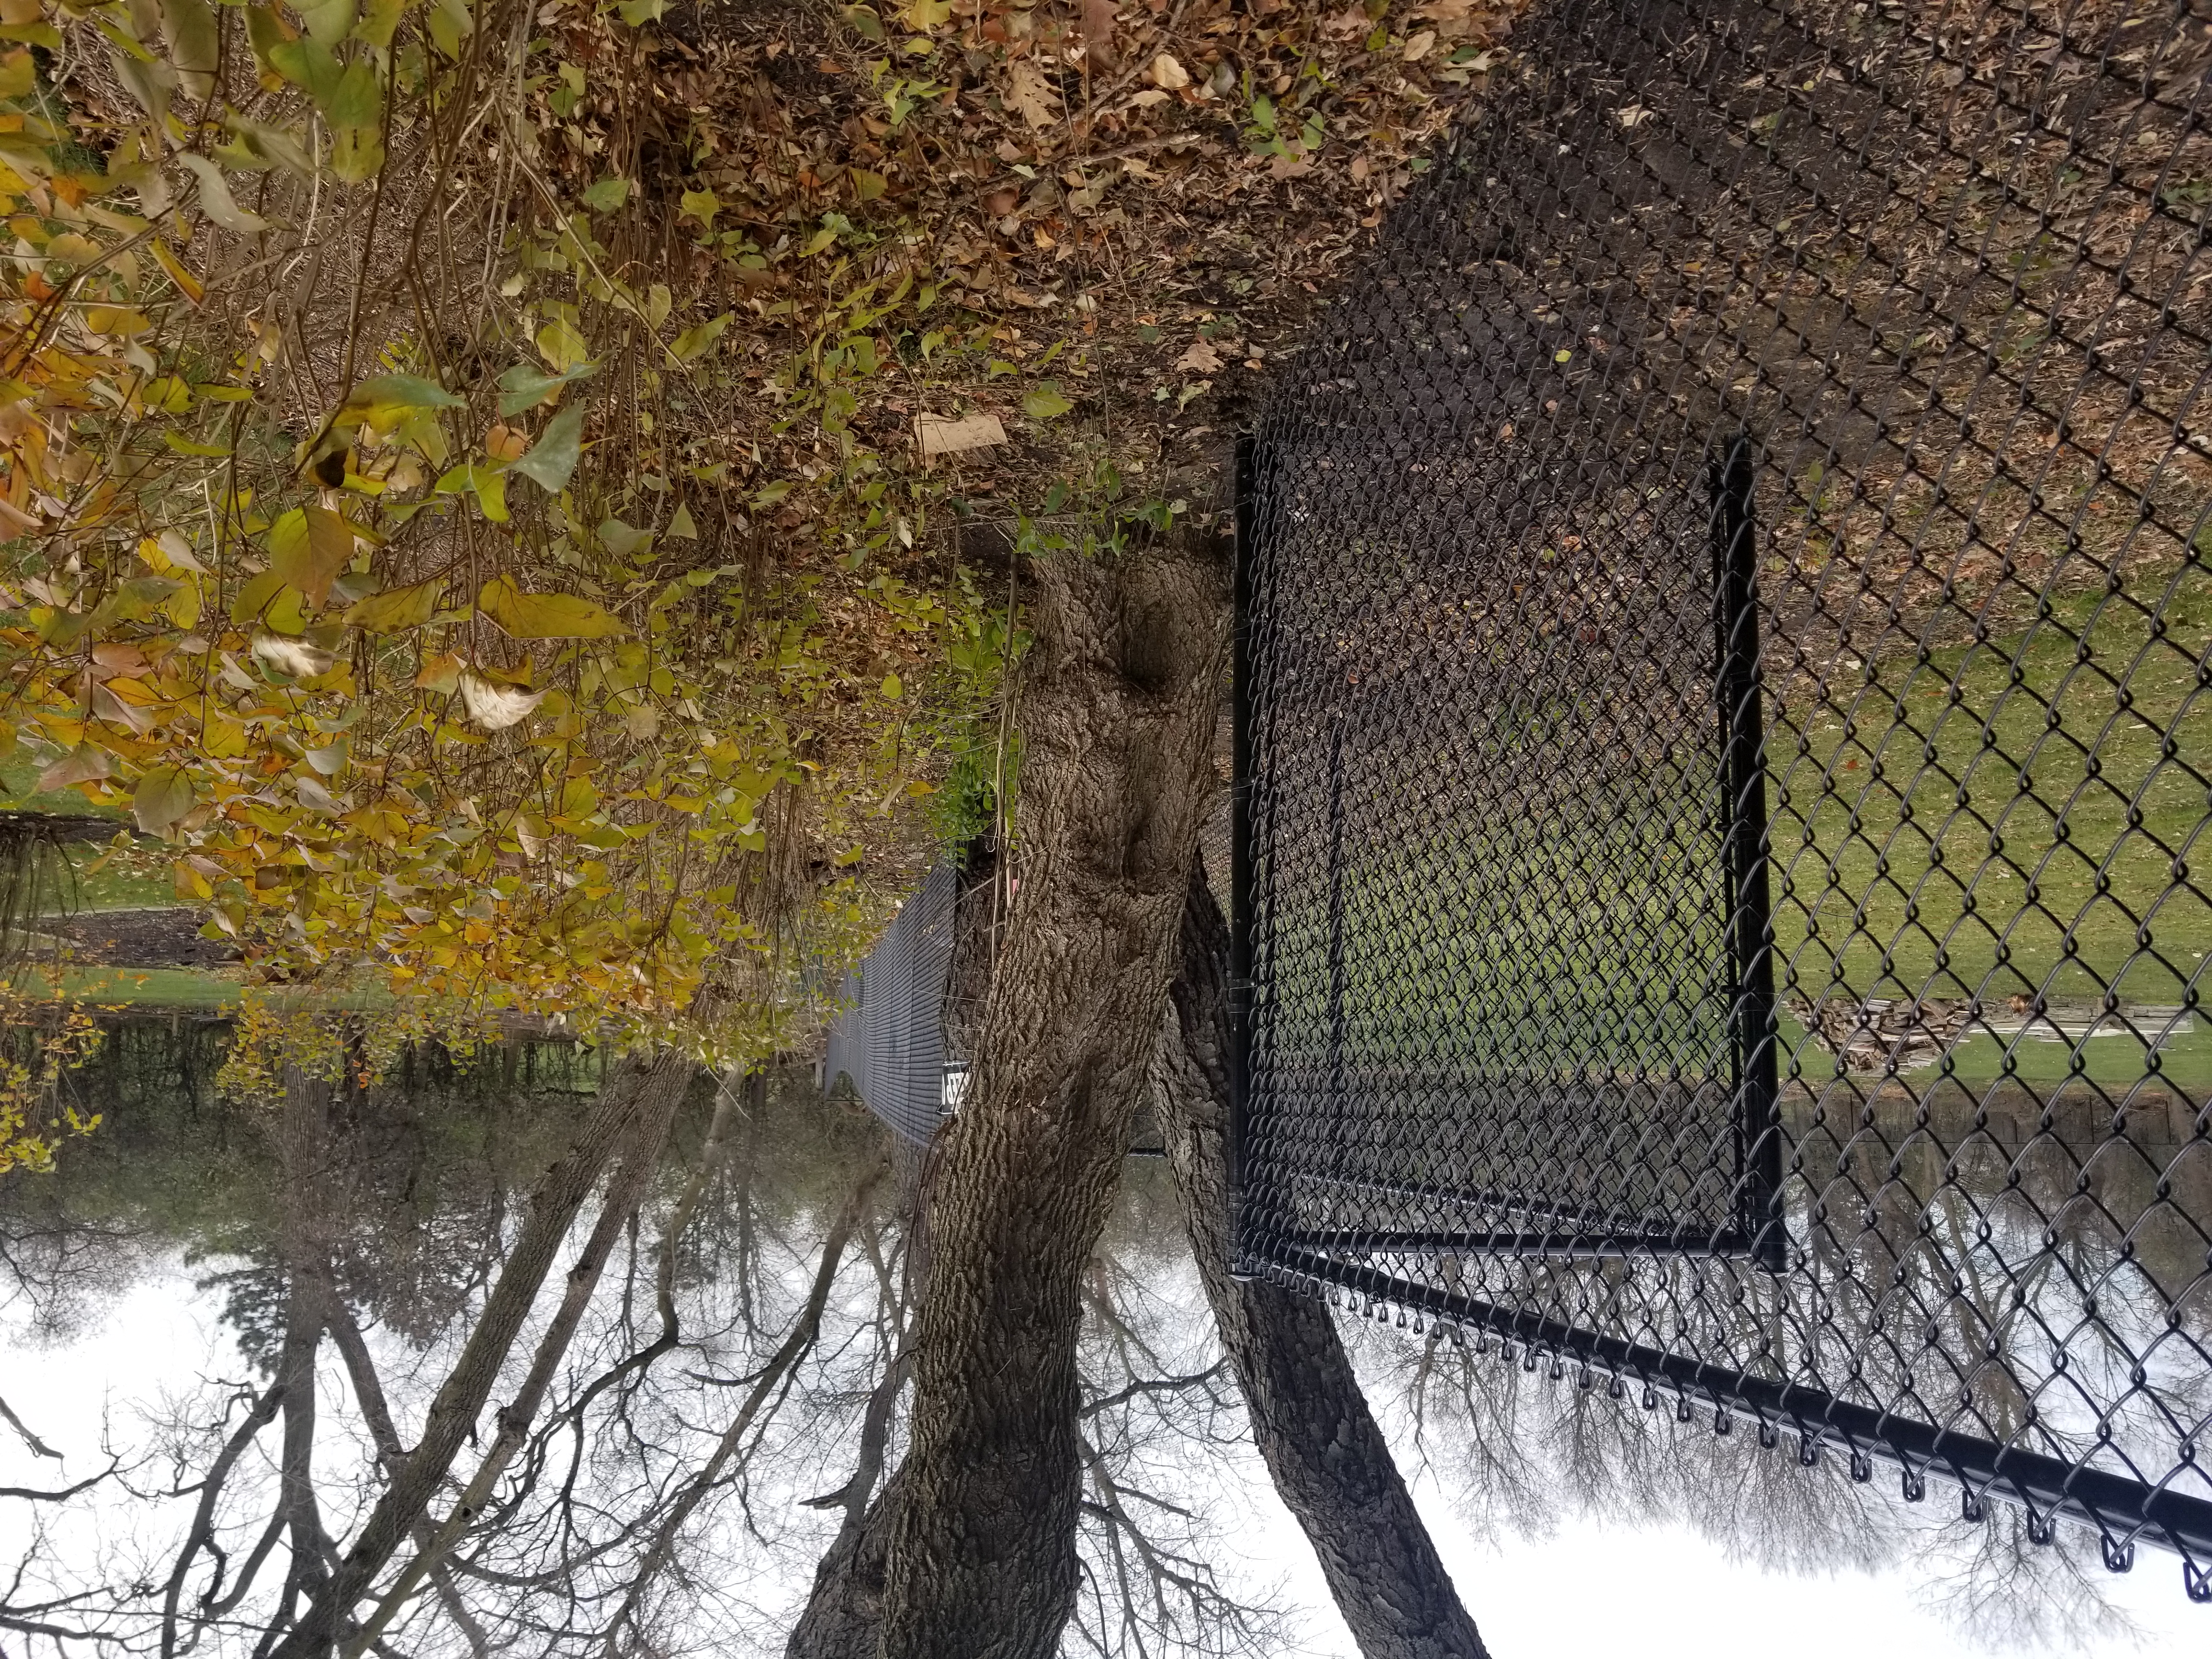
1518 1446
729 1403
724 1410
2014 1265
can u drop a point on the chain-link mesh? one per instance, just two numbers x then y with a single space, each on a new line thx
1725 741
890 1041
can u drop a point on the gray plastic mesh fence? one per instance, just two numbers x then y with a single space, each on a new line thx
1724 743
890 1042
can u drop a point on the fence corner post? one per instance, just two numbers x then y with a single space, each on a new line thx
1246 484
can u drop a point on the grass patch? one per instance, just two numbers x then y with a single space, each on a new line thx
116 884
157 987
177 987
2006 818
96 881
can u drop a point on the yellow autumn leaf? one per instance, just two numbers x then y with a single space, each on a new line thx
560 344
123 320
544 615
307 548
398 609
178 273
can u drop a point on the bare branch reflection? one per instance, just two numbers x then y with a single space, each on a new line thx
1516 1446
718 1345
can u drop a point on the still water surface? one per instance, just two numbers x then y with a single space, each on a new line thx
695 1459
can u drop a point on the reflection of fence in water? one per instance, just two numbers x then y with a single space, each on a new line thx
1725 687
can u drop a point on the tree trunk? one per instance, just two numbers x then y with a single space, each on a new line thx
1118 703
1328 1459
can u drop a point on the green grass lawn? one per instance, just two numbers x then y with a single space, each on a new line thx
115 885
149 987
112 886
2005 818
1998 819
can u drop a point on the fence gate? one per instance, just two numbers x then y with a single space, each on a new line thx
1724 743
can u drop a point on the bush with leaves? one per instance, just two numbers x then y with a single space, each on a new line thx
323 411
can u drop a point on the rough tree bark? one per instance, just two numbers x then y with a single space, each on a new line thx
1118 698
1321 1445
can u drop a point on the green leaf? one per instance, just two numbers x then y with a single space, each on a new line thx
487 484
329 22
863 21
525 385
771 494
265 32
398 609
449 25
1045 403
694 342
607 195
356 113
195 45
638 13
163 796
128 45
307 548
137 598
623 540
401 392
891 688
379 20
490 487
388 399
700 204
310 66
256 146
254 597
215 199
552 459
544 615
680 527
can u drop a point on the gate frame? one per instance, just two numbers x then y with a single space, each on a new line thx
2122 1511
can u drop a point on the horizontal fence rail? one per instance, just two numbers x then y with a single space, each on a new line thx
1724 749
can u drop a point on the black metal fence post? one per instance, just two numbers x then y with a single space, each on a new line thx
1750 957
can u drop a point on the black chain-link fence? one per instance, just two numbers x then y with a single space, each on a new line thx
1725 743
888 1043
